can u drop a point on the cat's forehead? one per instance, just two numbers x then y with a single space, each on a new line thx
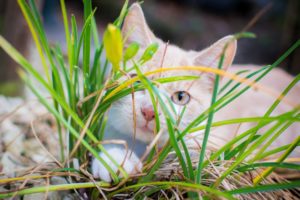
168 56
172 55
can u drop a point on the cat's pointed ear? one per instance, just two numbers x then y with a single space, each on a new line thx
210 56
135 28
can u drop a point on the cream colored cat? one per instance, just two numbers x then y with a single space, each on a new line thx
195 95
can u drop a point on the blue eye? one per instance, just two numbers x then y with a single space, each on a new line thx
181 98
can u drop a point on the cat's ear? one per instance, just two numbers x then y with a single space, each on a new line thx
135 28
210 56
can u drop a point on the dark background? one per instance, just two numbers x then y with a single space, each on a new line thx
190 24
195 24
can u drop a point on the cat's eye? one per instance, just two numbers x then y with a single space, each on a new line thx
181 98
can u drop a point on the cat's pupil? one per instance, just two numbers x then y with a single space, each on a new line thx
180 95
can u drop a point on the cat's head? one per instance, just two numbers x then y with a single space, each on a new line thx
195 94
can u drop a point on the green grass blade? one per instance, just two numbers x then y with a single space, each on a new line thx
264 71
48 188
67 125
251 149
30 21
74 45
272 152
272 108
38 33
254 166
122 15
67 32
170 124
24 63
226 85
86 47
87 23
266 188
269 170
189 186
209 121
284 116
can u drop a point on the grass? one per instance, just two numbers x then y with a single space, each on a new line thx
81 94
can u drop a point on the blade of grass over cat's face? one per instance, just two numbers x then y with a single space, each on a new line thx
209 120
185 68
170 124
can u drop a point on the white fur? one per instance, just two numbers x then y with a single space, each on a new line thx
127 159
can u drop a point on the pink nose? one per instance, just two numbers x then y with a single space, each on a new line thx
148 113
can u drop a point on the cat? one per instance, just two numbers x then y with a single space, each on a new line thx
195 95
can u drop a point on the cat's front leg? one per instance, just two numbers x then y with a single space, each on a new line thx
125 158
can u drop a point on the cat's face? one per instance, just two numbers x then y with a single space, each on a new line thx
195 95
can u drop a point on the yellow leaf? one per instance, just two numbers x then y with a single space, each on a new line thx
113 45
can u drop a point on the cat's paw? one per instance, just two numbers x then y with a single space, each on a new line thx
129 161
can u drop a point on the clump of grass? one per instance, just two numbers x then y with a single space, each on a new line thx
82 93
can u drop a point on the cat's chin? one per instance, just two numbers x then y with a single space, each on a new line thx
144 133
146 130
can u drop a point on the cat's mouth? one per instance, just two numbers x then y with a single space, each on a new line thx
146 128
